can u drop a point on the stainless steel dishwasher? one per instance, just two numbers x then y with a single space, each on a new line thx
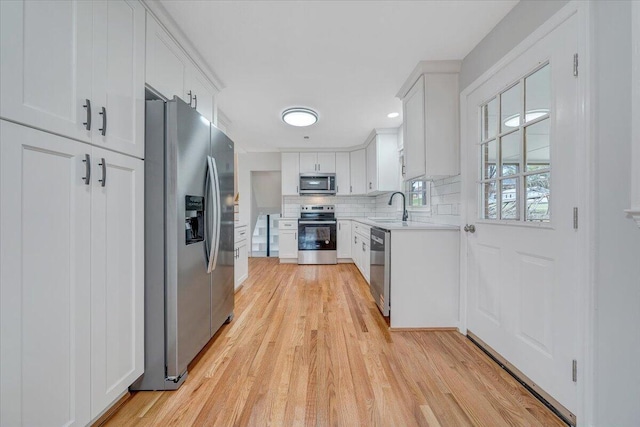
381 268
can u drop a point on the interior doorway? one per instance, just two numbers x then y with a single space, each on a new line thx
266 206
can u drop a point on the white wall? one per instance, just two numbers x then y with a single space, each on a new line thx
247 163
616 238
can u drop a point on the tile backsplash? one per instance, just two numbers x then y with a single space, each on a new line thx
445 204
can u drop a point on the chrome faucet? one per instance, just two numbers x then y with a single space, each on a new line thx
405 214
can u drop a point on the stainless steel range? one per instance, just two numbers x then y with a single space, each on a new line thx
317 235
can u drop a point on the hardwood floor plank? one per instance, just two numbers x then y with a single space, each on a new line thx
309 347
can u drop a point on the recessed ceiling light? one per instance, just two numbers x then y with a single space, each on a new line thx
393 115
299 116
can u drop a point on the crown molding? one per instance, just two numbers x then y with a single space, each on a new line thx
160 14
428 67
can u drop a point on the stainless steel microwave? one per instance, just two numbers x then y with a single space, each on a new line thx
317 183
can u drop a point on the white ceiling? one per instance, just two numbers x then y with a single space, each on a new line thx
344 59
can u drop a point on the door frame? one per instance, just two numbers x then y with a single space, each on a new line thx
585 159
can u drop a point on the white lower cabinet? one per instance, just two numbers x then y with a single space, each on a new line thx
361 248
344 238
71 277
241 257
288 240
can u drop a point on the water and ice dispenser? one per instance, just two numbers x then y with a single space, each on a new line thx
194 219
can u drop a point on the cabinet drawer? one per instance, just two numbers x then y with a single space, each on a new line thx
241 233
288 224
362 229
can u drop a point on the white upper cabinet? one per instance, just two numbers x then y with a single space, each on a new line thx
171 73
75 69
431 120
383 161
199 93
317 162
45 65
118 78
358 170
343 176
290 170
166 63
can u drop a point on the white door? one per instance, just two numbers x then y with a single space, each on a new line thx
117 275
308 162
45 64
288 244
327 162
290 174
44 279
118 76
358 170
522 182
343 174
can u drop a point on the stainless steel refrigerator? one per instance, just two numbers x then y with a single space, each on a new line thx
189 239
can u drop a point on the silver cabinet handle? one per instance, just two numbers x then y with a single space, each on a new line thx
87 105
296 189
370 186
339 226
470 228
190 98
355 240
87 168
103 163
195 100
351 189
362 246
295 236
103 129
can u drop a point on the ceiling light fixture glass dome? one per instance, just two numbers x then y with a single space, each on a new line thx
299 116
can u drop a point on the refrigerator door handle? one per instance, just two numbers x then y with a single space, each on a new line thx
215 240
207 189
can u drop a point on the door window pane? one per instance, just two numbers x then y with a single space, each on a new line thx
489 119
509 206
511 105
538 93
510 153
537 146
489 196
489 159
538 195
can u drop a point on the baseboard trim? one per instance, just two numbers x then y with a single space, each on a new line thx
435 329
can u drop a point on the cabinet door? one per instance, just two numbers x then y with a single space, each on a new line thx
288 244
358 172
355 253
242 264
366 260
118 76
326 162
44 279
290 174
343 175
308 162
117 276
372 167
45 64
201 93
414 131
166 63
344 239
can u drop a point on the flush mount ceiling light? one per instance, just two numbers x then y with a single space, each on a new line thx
299 116
514 121
393 115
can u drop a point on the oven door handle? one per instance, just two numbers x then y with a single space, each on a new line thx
316 222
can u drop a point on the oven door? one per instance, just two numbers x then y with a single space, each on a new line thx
317 235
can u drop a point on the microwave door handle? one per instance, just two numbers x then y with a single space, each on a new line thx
215 242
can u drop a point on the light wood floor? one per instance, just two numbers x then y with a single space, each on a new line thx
309 347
